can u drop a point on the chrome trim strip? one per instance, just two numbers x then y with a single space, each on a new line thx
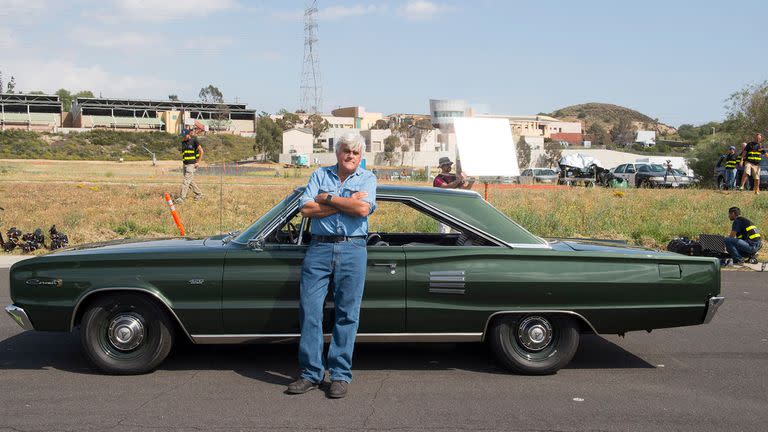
712 305
447 273
447 279
19 316
146 291
447 290
361 337
529 246
528 311
446 285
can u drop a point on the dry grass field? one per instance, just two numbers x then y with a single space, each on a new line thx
94 201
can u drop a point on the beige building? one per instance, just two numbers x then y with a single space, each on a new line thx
298 141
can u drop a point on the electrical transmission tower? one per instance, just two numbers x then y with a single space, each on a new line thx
311 85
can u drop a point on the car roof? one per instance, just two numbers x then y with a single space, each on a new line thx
465 205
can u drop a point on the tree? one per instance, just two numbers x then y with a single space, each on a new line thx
380 125
598 135
220 118
173 97
65 97
552 152
211 94
391 143
748 110
623 132
36 92
288 120
317 123
523 153
269 137
11 85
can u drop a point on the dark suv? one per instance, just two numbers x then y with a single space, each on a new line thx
720 174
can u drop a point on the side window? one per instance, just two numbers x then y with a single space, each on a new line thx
630 169
291 232
620 169
395 223
643 169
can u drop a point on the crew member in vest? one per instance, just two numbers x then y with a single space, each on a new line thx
191 155
338 199
750 160
744 240
730 163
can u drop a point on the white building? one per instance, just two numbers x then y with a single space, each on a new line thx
297 141
646 138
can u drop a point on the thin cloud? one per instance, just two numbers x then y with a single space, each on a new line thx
6 39
421 10
331 13
108 40
160 11
36 75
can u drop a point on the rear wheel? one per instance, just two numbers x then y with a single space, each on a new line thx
534 344
126 334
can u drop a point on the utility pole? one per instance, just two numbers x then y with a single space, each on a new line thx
311 84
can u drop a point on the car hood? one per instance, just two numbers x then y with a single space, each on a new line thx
132 246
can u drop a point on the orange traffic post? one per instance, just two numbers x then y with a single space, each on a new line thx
174 214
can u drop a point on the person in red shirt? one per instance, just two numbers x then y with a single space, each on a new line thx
448 180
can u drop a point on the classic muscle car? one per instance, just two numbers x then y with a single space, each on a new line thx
487 280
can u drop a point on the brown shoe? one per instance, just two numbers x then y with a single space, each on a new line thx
300 386
338 389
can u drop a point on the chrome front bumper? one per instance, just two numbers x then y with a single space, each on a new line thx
712 304
19 316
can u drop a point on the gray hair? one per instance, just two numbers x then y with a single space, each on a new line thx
352 140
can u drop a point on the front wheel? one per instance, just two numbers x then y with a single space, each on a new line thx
534 344
126 334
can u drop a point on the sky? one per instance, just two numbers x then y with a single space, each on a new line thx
673 60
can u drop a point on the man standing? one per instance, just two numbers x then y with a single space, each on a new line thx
191 155
338 199
730 162
744 239
750 160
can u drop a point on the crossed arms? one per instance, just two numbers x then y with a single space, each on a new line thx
352 206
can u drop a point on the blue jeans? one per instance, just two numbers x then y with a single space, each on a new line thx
344 263
730 178
738 248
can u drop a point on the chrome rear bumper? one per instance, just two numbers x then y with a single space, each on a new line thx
19 316
712 304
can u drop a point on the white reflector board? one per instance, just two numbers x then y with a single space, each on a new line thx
485 147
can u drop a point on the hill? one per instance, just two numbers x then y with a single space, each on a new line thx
609 115
111 145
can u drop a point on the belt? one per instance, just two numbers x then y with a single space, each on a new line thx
335 239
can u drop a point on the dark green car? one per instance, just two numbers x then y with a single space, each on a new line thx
488 279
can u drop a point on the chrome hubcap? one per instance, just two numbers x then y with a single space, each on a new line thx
125 332
535 333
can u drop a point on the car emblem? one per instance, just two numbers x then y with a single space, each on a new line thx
56 282
196 281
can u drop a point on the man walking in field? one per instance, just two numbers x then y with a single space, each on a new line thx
750 159
191 155
338 199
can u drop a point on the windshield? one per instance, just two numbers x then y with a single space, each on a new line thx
657 168
252 230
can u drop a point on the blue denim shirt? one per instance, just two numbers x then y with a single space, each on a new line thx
326 179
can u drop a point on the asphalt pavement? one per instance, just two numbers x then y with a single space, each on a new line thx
703 378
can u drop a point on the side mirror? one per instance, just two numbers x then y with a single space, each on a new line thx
256 244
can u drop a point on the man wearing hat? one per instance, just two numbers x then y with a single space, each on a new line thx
730 162
446 179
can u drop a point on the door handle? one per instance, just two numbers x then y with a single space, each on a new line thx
392 266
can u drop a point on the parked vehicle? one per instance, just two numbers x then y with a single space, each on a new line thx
538 175
488 280
647 175
719 174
